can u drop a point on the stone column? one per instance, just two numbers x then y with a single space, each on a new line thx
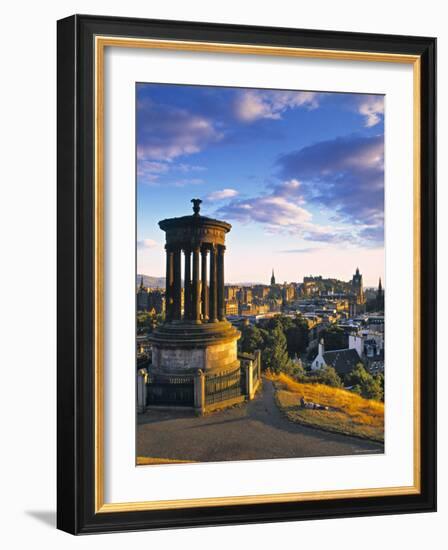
177 286
249 366
258 363
204 284
169 284
187 285
199 392
220 284
213 303
196 288
142 376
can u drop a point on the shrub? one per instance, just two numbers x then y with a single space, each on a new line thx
364 384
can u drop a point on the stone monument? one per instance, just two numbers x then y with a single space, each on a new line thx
195 335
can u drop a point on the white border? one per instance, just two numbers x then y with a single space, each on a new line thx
123 481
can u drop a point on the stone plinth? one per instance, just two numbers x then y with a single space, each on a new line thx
187 348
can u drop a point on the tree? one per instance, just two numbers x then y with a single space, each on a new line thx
251 339
365 384
297 337
277 321
330 377
334 338
295 370
144 321
380 380
275 355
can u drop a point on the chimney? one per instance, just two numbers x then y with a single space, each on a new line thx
321 348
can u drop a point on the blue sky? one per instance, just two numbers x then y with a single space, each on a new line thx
298 174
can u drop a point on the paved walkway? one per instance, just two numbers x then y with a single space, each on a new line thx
255 430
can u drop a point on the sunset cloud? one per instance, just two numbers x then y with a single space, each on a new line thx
170 174
167 132
372 108
344 175
251 105
282 211
147 244
300 250
222 194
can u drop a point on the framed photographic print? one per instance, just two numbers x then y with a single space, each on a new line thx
247 274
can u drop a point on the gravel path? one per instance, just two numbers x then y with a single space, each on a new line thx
254 430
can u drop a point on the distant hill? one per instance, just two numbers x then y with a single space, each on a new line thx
244 284
151 282
159 282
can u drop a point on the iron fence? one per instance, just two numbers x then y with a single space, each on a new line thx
222 387
172 390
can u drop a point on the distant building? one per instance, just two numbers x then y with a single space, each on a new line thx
272 278
380 297
142 297
156 301
288 292
260 291
230 292
150 299
231 307
358 300
358 288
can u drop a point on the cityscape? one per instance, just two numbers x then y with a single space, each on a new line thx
325 306
260 291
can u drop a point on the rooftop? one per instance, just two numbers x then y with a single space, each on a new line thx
343 361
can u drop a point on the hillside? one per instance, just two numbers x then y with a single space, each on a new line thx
159 282
151 282
347 413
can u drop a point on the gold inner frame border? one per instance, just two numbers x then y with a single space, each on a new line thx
101 42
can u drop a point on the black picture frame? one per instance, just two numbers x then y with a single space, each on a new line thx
76 269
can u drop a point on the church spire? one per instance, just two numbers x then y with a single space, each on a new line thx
380 297
141 283
273 277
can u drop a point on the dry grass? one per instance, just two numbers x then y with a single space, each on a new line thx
145 460
349 413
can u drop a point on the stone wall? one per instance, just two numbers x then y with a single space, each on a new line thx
178 360
213 357
221 356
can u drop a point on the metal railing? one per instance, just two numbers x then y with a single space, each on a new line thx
204 389
170 390
223 387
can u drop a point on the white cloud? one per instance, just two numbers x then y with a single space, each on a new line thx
166 132
282 211
253 105
183 182
182 167
149 172
301 250
276 210
147 244
372 108
222 194
170 173
344 175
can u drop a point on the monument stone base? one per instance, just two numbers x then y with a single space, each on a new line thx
186 348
